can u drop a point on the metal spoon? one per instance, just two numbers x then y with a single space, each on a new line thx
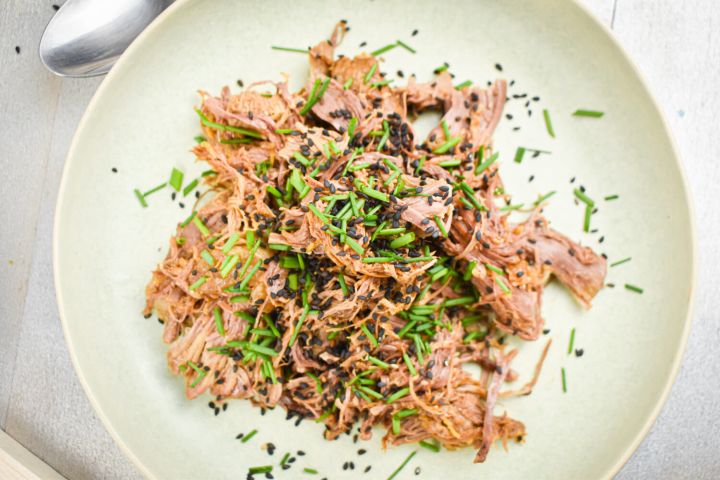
86 37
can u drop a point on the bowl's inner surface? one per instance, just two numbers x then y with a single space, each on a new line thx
142 123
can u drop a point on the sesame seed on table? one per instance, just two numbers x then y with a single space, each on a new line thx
42 404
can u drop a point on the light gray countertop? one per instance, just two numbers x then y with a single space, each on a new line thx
676 46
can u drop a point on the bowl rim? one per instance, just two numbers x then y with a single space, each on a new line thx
123 62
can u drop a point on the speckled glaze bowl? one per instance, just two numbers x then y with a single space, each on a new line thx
141 122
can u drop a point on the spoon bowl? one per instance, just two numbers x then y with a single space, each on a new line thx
86 37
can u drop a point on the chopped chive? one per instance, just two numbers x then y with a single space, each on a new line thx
303 160
584 198
548 123
564 383
189 219
384 49
484 165
519 154
313 93
572 341
369 335
154 189
208 173
409 364
611 197
382 83
398 395
352 125
441 68
290 262
355 246
429 445
588 113
370 73
395 425
440 225
509 208
218 321
543 198
402 465
208 257
468 271
235 141
370 192
250 274
453 162
140 198
378 362
348 83
470 194
462 85
279 246
495 269
201 226
190 187
450 143
403 240
289 49
378 259
454 302
263 469
406 46
588 214
310 471
298 325
633 288
176 179
228 265
343 285
369 391
198 283
200 374
292 282
407 412
228 128
502 285
390 231
248 436
318 383
287 455
260 349
250 238
199 139
283 131
620 262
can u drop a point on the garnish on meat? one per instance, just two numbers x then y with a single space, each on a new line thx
345 270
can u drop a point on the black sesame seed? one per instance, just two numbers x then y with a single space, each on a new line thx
17 49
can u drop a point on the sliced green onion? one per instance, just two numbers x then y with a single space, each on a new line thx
140 198
370 73
228 265
201 226
633 288
502 285
584 198
384 49
378 362
620 262
588 214
398 395
403 240
588 113
289 49
343 285
453 162
207 256
154 189
548 123
402 465
484 165
406 46
227 128
198 283
543 198
176 179
218 321
450 143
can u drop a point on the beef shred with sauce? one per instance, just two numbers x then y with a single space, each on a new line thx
345 270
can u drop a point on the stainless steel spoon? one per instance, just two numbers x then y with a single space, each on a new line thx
86 37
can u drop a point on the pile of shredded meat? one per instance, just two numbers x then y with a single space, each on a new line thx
346 270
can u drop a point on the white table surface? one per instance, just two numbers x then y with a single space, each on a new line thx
675 43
